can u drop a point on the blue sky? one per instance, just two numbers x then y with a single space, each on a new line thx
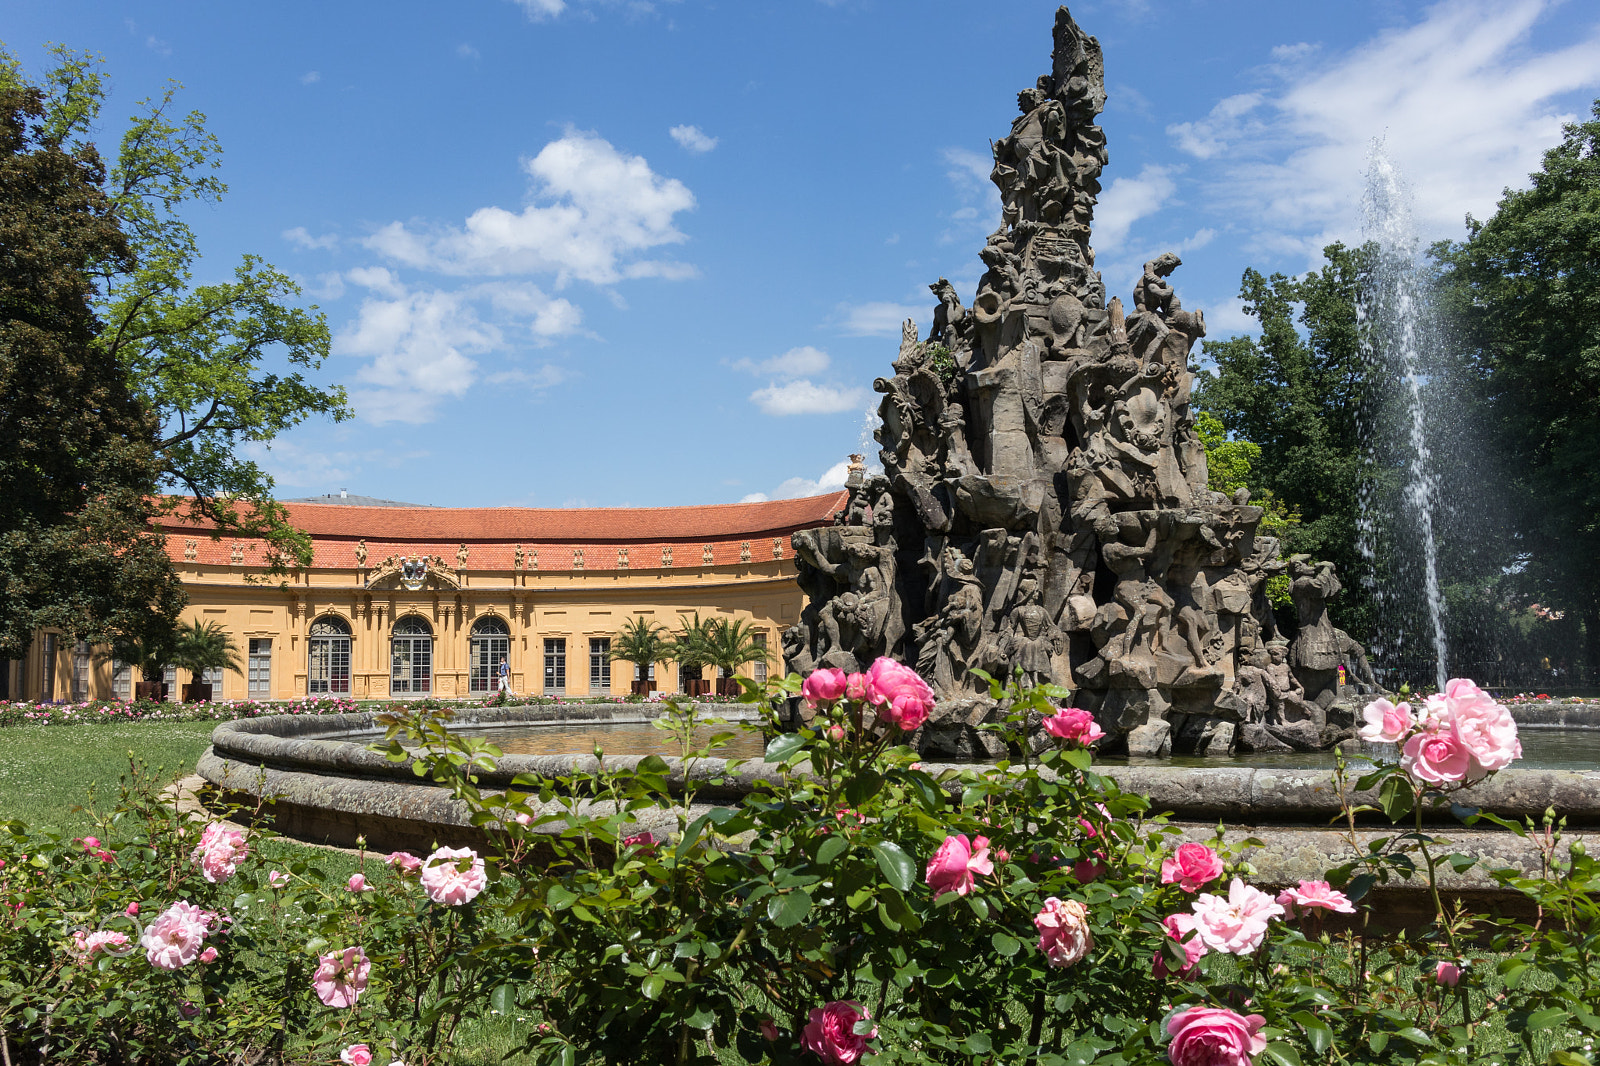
603 253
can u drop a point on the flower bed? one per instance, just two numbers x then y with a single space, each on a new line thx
867 911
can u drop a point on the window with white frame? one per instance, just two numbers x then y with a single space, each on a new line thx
47 685
80 671
411 657
555 665
328 657
761 663
260 668
121 679
489 647
599 665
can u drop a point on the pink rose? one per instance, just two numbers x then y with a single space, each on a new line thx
208 955
1074 725
341 977
132 911
1179 926
903 699
1315 895
1192 866
642 839
174 939
1436 755
1091 868
855 687
103 942
356 1055
1485 729
219 852
404 862
836 733
1237 924
769 1030
523 818
823 686
446 883
952 867
1210 1036
277 879
1063 931
1447 973
358 883
1386 723
830 1032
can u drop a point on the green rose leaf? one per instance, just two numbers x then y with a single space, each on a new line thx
898 868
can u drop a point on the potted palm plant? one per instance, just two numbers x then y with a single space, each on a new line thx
641 642
691 649
151 656
732 644
200 648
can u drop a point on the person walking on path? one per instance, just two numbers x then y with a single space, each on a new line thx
505 677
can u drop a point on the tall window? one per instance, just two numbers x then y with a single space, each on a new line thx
490 646
761 663
555 665
121 679
80 671
411 657
212 675
169 678
47 688
599 665
328 657
260 668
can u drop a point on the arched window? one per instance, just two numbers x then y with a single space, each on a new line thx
411 657
490 646
328 657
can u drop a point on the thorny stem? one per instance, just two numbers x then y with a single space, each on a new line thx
1433 879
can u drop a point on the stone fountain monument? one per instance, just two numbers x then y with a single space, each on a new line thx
1044 505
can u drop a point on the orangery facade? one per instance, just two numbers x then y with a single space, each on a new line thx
403 601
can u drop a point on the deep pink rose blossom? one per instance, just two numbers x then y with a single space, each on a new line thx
446 883
830 1032
1385 722
954 865
769 1030
132 911
855 687
404 862
176 937
341 977
902 698
1315 895
1209 1036
643 839
1063 927
208 955
823 686
1447 973
1191 867
356 1055
1179 926
1074 725
1235 924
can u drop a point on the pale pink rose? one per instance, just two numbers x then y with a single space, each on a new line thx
176 937
1236 924
1210 1036
523 818
358 883
356 1055
1386 723
208 955
1485 729
1447 973
1191 867
404 862
952 867
446 883
341 977
219 852
855 687
830 1032
86 946
1074 725
277 879
769 1030
903 699
1436 756
1063 927
1179 926
1315 895
823 686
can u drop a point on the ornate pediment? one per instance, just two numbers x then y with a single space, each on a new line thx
413 573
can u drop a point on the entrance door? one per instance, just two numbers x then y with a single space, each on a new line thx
411 658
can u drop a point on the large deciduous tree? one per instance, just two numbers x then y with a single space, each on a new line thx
78 450
218 365
1524 288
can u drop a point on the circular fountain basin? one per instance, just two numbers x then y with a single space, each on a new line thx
325 785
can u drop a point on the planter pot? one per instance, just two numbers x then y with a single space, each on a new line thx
150 690
196 693
642 688
727 686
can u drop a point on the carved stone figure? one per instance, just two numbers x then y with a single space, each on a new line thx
1044 501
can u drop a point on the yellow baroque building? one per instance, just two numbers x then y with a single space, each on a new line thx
406 601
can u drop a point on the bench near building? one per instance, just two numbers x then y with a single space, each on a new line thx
408 601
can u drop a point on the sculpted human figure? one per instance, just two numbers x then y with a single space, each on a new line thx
948 316
953 428
1154 292
1031 640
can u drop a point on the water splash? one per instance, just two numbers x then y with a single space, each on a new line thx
1394 322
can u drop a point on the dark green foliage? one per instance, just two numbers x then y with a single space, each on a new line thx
78 465
199 648
1525 289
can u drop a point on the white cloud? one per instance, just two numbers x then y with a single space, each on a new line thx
466 51
754 497
970 172
692 138
293 465
804 397
1465 106
1126 201
831 480
876 319
1229 317
595 209
541 9
311 77
794 363
301 237
380 280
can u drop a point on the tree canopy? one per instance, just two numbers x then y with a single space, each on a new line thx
78 449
